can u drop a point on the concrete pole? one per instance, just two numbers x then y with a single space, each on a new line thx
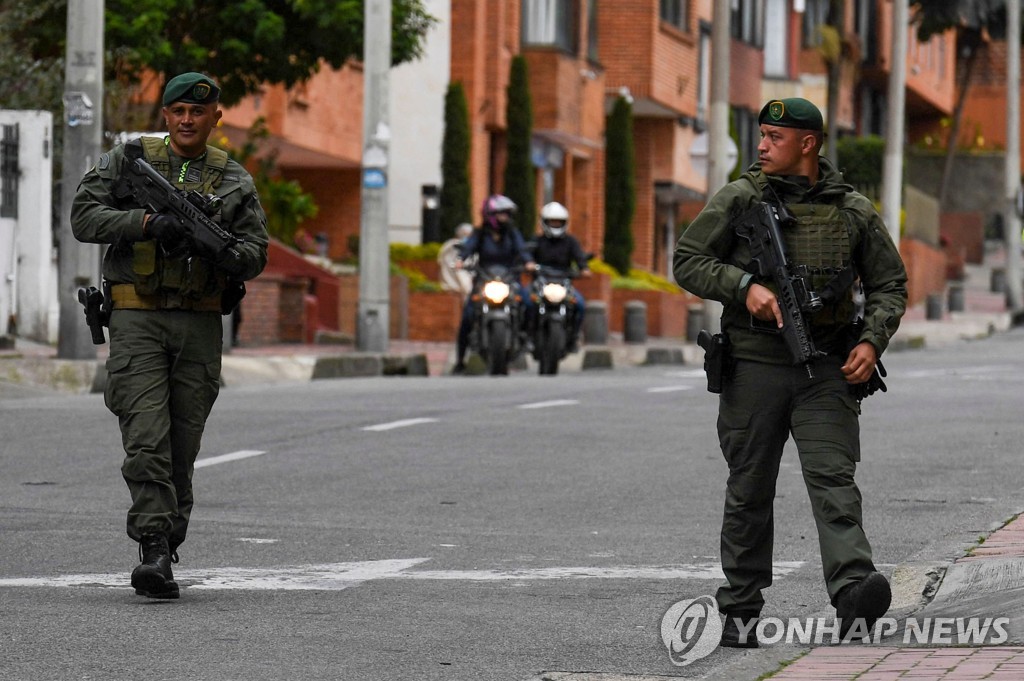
78 264
1011 219
892 164
718 128
373 324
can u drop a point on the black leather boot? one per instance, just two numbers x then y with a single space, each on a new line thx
734 620
153 578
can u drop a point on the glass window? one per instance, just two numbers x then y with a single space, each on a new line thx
704 78
549 22
674 12
592 30
747 21
815 16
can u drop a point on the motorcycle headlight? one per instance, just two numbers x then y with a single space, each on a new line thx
554 292
496 291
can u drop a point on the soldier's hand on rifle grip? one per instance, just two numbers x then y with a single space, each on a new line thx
163 228
763 304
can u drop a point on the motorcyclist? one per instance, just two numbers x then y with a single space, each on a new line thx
558 249
496 242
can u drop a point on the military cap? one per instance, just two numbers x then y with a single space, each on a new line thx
792 112
191 88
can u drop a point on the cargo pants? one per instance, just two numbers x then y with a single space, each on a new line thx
163 376
760 406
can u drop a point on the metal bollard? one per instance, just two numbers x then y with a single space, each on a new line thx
956 297
595 323
933 306
997 280
694 322
634 326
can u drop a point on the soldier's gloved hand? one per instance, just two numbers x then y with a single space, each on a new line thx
230 260
163 228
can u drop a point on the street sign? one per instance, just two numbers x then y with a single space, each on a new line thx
374 178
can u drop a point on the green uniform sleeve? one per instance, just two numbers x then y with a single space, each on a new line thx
244 217
701 260
885 282
95 217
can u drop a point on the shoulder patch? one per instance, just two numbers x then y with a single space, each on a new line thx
104 161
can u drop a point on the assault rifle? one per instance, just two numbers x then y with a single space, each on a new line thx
191 209
761 227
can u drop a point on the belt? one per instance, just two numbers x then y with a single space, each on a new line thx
126 298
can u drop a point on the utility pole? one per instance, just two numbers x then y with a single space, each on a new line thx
78 264
718 128
373 324
892 164
1011 218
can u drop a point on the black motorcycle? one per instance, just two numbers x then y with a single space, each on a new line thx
497 327
555 309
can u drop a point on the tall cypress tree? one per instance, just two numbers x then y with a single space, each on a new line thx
619 187
520 177
455 190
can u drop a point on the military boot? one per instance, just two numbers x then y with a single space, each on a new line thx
153 578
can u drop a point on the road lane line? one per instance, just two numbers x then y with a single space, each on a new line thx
670 389
549 403
404 423
225 458
339 576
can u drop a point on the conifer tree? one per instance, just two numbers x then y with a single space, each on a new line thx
619 187
520 177
455 147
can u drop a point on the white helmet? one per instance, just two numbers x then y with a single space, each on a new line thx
554 220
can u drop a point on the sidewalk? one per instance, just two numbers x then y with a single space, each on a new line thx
989 579
32 367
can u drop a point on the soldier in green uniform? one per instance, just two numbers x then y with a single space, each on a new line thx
837 238
163 370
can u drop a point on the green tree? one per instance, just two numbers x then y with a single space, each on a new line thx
520 177
455 148
243 45
284 201
972 20
619 187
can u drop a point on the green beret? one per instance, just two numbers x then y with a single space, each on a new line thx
792 112
191 88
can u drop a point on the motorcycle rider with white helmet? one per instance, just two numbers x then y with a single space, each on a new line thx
558 249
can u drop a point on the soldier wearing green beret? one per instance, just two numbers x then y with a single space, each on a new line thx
163 370
836 241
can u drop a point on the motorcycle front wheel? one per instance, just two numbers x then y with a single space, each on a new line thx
551 346
497 351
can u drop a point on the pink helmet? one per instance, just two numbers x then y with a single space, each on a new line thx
494 204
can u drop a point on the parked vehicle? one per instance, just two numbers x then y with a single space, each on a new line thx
497 334
553 328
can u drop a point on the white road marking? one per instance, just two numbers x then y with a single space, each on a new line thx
338 576
224 458
404 423
256 540
670 388
549 403
686 373
985 371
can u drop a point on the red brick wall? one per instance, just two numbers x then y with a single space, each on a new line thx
261 311
926 270
434 316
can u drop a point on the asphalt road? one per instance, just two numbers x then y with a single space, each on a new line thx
470 528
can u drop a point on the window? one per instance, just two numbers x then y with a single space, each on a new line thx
9 172
776 43
592 30
704 75
815 16
747 21
674 12
549 22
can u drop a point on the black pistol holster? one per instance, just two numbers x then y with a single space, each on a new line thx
717 359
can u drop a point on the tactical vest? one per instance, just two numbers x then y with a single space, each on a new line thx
819 248
155 271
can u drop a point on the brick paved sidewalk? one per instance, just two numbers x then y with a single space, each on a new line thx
870 663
